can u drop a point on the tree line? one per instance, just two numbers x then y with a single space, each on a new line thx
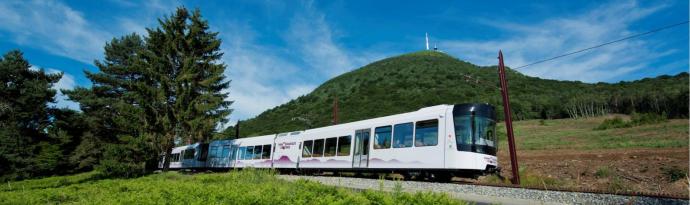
149 92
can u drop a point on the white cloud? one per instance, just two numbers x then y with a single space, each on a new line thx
54 27
556 36
311 35
57 28
66 82
266 76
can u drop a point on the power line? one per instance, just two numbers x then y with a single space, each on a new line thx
607 43
477 81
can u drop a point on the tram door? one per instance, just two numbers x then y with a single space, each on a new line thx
360 158
232 155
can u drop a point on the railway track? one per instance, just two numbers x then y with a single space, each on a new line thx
490 193
592 191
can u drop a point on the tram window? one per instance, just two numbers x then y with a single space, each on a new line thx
225 152
249 154
331 145
426 133
402 135
212 152
344 145
240 155
318 148
267 152
189 154
306 150
257 152
382 137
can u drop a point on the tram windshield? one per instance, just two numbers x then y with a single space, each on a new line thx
475 128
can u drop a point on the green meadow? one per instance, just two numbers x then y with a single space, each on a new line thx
234 187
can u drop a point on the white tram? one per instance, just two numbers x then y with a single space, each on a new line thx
442 140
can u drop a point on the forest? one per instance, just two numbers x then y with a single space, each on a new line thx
412 81
149 92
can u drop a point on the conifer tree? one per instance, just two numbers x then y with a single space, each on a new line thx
182 56
24 114
112 105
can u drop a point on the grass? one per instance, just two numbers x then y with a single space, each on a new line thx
528 178
580 134
602 172
235 187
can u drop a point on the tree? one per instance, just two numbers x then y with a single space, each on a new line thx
182 56
24 115
112 106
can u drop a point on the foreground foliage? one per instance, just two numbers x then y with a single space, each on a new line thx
235 187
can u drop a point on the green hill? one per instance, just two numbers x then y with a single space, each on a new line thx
412 81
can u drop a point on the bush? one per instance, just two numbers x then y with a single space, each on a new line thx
126 160
616 122
531 179
647 118
602 172
617 185
113 168
636 119
674 173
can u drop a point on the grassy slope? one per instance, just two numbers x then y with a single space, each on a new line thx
412 81
579 134
237 187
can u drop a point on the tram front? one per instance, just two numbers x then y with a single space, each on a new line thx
475 137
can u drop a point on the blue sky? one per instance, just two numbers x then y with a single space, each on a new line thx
279 50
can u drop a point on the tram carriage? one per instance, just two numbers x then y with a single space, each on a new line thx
442 140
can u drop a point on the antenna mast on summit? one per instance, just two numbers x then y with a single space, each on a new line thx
427 40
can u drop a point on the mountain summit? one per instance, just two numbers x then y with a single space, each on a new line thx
411 81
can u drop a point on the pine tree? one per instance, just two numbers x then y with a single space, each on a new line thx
112 105
182 57
24 115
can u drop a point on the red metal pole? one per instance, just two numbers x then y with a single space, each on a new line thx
508 119
335 110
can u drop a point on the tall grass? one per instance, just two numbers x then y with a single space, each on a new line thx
636 119
235 187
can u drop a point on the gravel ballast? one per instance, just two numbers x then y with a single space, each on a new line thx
487 194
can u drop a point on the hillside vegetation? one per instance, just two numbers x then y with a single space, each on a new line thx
235 187
412 81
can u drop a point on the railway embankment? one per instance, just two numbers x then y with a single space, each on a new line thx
486 194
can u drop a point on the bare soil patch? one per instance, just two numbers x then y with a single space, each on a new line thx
639 169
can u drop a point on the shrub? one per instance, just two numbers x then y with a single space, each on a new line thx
647 118
636 119
602 172
125 160
616 122
617 185
531 179
673 173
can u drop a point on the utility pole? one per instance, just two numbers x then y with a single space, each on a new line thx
335 110
237 129
508 119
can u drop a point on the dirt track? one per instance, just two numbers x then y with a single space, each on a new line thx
628 169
